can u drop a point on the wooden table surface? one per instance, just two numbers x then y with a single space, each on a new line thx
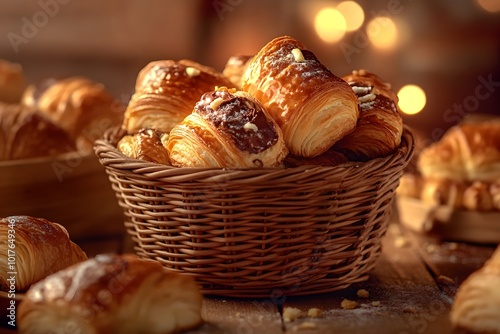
411 290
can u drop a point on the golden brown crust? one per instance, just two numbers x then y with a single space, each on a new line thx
41 248
166 92
112 294
82 107
12 82
146 145
24 133
476 304
235 69
380 125
467 152
227 128
313 107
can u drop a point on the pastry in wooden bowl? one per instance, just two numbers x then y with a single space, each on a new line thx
476 308
112 294
380 125
455 192
34 248
82 107
25 133
313 107
12 82
166 92
227 128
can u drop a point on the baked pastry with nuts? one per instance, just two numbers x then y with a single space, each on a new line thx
166 92
227 128
313 107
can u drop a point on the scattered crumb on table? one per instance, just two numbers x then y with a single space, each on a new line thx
401 242
362 293
376 303
314 312
291 314
347 304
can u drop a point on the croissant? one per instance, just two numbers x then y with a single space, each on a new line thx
166 92
36 248
112 294
477 302
82 107
235 68
380 125
313 107
24 133
12 82
466 152
147 145
227 128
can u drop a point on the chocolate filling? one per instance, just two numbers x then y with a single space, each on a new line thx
243 120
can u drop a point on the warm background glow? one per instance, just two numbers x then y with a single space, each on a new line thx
490 5
353 14
330 25
382 32
412 99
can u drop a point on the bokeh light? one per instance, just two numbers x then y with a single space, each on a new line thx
412 99
382 32
489 5
330 25
353 14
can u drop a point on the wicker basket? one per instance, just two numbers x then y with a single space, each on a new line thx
258 232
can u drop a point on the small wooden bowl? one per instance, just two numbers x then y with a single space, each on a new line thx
71 189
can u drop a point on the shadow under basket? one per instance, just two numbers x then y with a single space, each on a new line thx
258 232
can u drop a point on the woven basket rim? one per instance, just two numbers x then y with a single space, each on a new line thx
109 155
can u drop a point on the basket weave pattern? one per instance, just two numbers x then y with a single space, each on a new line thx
258 232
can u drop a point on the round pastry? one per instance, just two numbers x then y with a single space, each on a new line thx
166 92
34 248
313 107
12 82
147 144
227 128
380 125
84 108
25 133
112 294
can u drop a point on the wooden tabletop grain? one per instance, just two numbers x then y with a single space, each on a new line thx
411 290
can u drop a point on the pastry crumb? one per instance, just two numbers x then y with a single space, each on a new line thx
401 242
376 303
347 304
291 313
314 312
362 293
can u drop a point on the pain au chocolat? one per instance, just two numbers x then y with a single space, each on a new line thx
227 128
380 126
166 92
112 294
313 107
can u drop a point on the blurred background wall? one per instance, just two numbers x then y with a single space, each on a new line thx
450 49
